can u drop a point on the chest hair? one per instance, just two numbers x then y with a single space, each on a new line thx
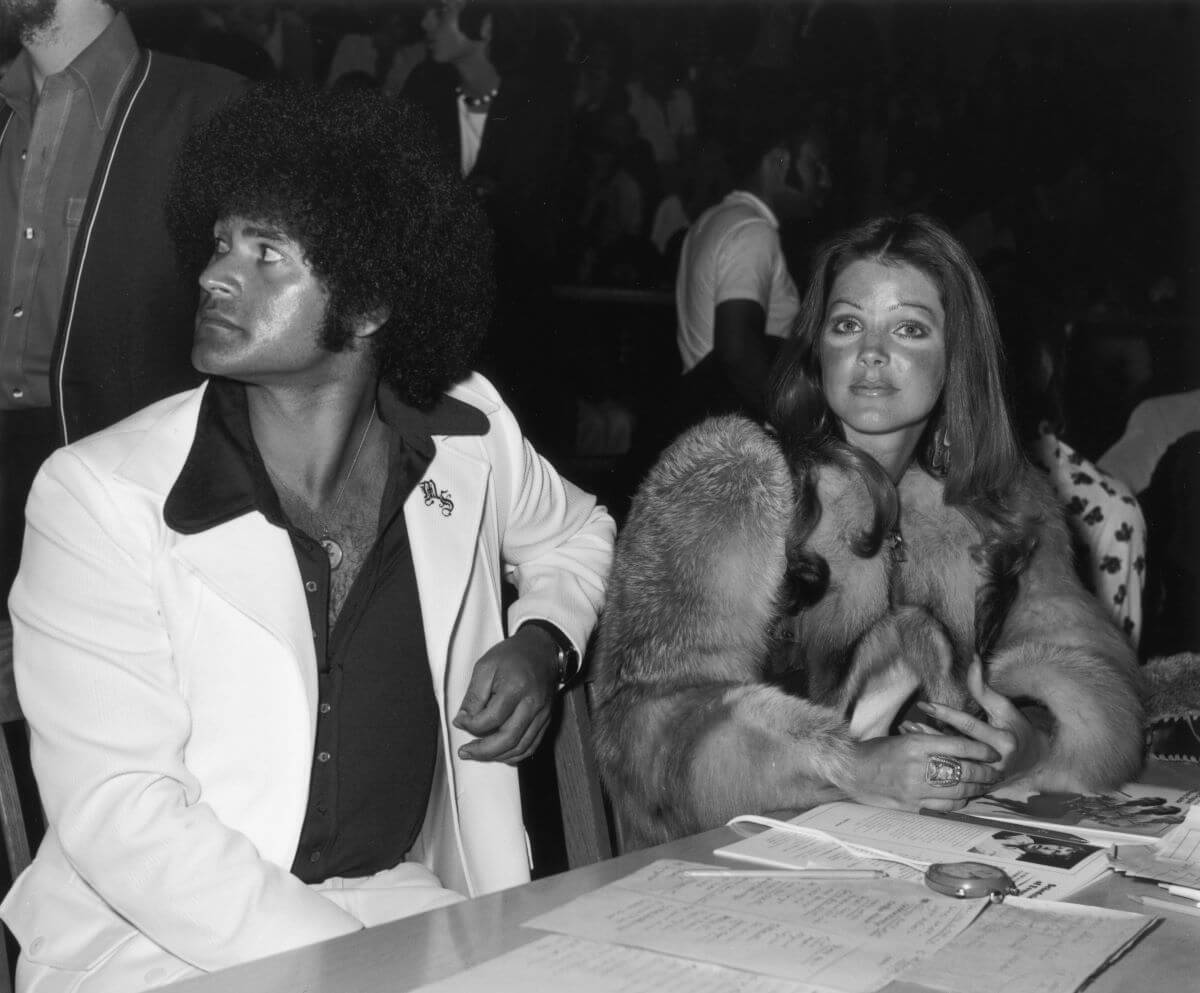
355 530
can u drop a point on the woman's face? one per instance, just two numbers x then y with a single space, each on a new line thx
883 354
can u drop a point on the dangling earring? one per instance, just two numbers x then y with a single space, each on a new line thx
940 462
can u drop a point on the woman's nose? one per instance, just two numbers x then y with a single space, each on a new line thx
872 349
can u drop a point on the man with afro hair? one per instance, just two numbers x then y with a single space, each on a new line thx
257 627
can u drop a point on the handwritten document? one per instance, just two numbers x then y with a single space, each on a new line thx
851 936
1030 946
560 962
658 931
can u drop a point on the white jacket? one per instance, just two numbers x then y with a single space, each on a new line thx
169 682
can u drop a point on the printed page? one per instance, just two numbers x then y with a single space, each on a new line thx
1028 946
561 962
1137 813
1043 868
851 936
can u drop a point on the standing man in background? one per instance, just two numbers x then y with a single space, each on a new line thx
505 130
95 314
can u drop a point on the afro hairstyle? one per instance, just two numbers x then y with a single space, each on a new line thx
356 180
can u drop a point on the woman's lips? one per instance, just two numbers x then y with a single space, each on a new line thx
872 389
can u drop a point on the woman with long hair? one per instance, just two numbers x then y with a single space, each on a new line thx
781 596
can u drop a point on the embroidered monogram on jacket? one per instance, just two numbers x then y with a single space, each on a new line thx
431 494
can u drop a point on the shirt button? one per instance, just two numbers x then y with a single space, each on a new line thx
314 857
24 154
29 234
18 311
17 393
322 809
323 756
325 708
311 586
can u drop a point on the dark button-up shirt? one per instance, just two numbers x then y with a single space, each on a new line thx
47 157
377 721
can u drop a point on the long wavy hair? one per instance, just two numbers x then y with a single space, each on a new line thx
969 441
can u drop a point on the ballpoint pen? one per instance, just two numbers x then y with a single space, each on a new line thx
1191 909
784 873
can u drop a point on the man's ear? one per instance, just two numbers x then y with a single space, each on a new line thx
370 322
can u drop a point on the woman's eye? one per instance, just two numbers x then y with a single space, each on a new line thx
912 330
844 325
220 246
269 254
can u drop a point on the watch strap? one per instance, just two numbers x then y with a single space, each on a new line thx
568 655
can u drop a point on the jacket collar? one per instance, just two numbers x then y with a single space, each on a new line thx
253 567
223 476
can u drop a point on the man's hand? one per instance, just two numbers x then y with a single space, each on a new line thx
507 705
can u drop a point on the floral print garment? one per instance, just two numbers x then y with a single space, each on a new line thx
1108 521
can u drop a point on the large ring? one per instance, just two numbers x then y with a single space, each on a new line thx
942 770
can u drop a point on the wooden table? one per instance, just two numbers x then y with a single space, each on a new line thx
420 949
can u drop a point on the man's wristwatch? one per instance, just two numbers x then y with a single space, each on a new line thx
568 657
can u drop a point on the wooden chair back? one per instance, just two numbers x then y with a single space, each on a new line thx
584 816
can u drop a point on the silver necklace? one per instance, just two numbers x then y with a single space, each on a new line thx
326 540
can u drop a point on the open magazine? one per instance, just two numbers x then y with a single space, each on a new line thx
1135 814
1050 868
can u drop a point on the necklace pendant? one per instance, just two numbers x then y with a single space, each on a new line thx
333 550
897 541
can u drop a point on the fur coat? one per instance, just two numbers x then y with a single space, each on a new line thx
694 721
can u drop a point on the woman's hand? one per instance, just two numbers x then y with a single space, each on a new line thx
894 771
1020 745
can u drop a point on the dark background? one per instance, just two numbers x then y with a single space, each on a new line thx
1059 140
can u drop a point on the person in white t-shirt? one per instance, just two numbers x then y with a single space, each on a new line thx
735 299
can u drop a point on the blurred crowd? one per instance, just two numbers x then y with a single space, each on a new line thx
1063 164
995 117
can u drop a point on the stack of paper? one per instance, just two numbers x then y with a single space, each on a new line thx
1031 946
1174 864
1047 866
664 931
